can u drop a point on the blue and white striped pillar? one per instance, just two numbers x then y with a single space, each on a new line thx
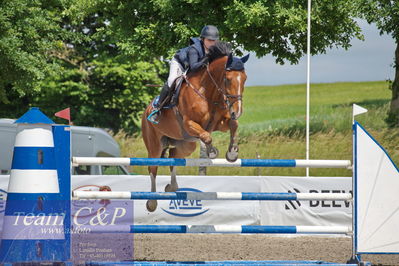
34 228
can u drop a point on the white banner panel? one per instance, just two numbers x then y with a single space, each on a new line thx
316 212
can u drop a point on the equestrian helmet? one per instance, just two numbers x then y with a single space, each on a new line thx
210 32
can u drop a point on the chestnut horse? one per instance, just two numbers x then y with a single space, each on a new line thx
210 100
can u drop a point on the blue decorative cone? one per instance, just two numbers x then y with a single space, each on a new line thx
36 217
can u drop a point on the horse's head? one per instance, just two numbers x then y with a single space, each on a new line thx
233 79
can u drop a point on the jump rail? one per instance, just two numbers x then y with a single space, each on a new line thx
208 195
211 162
222 229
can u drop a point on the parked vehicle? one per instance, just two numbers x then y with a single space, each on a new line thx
86 142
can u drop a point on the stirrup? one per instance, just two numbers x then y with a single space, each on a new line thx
153 117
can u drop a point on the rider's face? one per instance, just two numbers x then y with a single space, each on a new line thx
208 43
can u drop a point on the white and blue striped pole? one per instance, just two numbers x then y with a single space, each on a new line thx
35 214
211 162
216 229
209 195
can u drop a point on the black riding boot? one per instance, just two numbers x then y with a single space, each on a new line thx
154 116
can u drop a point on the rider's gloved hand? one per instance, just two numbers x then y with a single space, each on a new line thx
204 61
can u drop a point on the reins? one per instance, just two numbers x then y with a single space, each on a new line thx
227 104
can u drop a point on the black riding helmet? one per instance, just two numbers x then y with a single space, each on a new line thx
210 32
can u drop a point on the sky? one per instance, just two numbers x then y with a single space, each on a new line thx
368 60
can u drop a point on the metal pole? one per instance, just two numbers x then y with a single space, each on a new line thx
308 87
354 190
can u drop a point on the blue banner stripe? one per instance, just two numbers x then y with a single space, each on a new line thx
160 161
26 250
267 163
31 158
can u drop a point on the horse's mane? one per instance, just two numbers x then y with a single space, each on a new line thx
218 50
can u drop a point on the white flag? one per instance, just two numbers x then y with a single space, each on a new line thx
357 110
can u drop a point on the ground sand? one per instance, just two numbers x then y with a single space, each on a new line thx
200 247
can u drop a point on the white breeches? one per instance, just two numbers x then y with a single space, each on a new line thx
175 71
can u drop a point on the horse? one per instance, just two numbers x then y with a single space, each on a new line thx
210 100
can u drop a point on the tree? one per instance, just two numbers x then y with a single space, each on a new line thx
385 13
29 30
160 27
107 51
77 66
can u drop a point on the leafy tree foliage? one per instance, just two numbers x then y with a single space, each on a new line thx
98 56
29 30
385 13
278 27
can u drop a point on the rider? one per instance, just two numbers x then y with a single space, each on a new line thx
190 58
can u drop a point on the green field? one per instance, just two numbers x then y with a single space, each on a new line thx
282 109
273 126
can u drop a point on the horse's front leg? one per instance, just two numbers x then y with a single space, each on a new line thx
232 152
194 129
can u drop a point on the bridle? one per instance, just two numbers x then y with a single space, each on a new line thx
223 91
227 103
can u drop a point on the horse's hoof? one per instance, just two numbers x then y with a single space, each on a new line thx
170 188
213 152
151 205
231 157
232 154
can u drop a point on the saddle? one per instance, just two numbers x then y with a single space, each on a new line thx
173 97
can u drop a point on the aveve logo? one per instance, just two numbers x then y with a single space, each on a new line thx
186 208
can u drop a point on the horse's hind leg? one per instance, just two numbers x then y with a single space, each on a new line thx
182 150
154 148
152 204
173 186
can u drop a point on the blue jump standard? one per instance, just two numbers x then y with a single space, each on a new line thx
183 162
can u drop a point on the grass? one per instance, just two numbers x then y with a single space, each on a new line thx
282 109
273 126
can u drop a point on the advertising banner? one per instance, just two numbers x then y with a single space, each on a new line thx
313 212
228 212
